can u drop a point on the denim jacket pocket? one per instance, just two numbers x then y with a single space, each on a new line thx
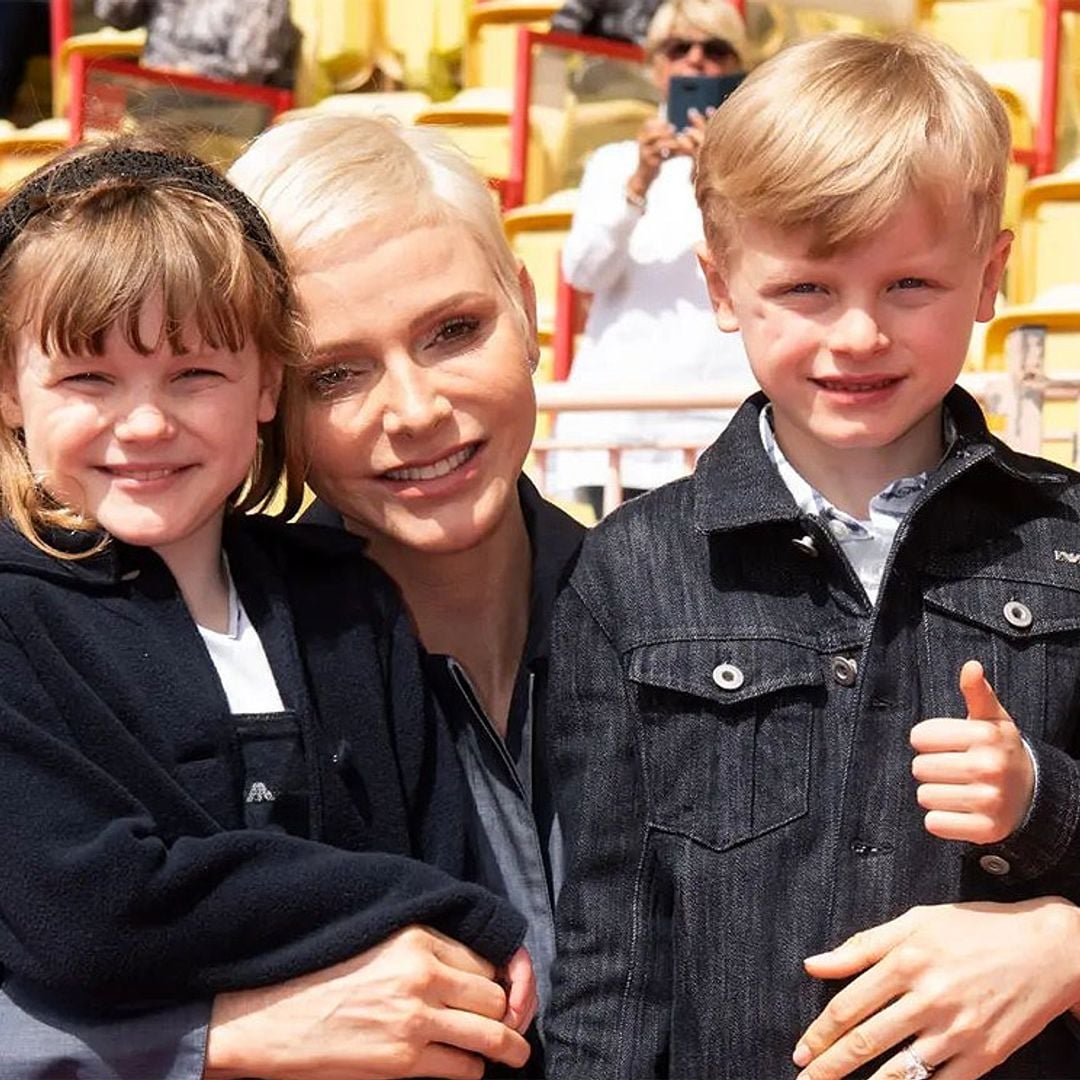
726 734
1025 633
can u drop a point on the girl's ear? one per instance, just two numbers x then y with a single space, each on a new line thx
10 409
270 376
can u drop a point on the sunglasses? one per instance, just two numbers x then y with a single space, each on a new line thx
715 49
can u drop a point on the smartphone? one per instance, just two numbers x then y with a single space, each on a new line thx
701 92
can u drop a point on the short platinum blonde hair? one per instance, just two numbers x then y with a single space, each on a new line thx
834 133
317 176
695 18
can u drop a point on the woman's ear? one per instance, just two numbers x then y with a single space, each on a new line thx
528 301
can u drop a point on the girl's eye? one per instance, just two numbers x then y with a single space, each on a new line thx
805 288
199 373
456 329
335 377
85 378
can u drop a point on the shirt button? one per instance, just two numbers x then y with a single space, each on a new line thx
728 677
844 670
1017 614
995 864
806 545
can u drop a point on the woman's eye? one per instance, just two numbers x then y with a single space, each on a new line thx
455 330
327 380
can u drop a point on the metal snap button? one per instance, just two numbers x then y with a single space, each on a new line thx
844 670
728 677
995 864
806 545
1017 614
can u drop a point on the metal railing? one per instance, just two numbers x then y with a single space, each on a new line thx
1013 401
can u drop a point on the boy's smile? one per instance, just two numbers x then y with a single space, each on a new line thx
856 349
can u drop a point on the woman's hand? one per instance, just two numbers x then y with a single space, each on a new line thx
418 1004
656 143
965 985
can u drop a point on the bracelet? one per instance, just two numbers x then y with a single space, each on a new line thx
636 201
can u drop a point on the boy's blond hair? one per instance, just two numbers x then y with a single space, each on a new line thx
834 133
690 18
90 259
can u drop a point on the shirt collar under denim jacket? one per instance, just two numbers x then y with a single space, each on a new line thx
730 719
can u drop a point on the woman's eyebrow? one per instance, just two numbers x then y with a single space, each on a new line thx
450 304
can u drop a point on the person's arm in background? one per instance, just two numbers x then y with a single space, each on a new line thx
123 14
574 16
611 201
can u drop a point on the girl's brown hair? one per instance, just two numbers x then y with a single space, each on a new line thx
85 260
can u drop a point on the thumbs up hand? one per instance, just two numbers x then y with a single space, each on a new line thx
976 778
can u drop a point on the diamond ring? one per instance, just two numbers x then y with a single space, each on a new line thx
914 1066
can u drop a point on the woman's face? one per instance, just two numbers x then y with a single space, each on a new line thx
419 400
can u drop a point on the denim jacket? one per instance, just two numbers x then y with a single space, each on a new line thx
730 722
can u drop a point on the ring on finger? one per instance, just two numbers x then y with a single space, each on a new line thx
914 1066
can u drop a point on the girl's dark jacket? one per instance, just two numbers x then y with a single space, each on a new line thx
128 870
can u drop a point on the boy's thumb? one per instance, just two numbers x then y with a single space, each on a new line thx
979 696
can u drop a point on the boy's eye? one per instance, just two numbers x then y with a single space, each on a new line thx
456 329
336 377
911 283
805 288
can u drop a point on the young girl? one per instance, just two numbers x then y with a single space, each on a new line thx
209 773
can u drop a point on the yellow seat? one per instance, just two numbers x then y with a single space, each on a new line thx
1047 238
536 234
1051 331
427 38
24 150
95 46
478 122
491 38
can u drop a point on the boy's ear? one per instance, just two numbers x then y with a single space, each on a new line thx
716 281
993 271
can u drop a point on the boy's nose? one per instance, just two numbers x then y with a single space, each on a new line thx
413 402
857 332
145 421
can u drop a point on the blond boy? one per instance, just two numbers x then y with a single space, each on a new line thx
814 596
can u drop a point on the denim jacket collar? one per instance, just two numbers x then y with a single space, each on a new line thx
735 485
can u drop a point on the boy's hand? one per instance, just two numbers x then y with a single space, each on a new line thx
976 778
930 980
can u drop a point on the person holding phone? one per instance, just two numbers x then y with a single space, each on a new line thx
632 246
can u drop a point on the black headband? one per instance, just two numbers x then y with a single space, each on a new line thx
176 170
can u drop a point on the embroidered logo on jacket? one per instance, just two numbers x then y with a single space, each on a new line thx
1067 556
259 792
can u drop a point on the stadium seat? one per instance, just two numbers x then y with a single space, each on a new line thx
1047 239
491 38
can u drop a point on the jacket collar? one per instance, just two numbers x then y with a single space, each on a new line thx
554 537
735 484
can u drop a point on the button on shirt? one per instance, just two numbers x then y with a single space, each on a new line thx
866 544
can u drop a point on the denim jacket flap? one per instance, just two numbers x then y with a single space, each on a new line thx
724 670
1015 609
